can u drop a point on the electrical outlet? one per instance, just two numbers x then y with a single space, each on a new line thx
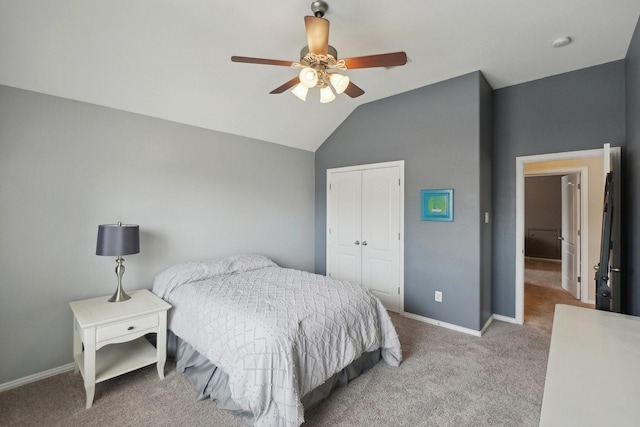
438 296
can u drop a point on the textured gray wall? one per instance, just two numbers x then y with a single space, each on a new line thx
486 237
66 167
542 202
631 160
574 111
436 130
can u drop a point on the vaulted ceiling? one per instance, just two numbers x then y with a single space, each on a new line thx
171 59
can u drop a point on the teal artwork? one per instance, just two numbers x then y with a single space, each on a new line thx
437 205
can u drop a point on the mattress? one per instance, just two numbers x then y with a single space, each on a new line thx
276 333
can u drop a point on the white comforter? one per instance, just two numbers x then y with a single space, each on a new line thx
277 333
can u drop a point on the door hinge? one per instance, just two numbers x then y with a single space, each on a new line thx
398 181
579 186
399 236
329 274
579 233
329 230
329 187
579 279
398 290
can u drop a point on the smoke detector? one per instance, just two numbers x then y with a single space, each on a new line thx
561 41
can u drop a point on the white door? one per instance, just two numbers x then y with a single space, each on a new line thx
364 229
570 247
381 234
345 226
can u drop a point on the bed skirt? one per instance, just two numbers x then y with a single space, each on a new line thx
211 382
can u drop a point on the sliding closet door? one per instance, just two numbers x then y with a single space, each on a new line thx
381 234
345 213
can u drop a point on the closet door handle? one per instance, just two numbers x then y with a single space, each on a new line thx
357 242
364 243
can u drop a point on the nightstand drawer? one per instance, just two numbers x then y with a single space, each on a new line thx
125 328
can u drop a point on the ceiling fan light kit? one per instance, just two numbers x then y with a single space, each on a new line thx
308 77
326 95
319 62
300 91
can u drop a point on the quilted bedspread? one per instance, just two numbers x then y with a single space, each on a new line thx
277 333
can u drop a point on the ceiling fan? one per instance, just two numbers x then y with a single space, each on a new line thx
319 62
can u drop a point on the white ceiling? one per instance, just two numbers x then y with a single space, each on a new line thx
171 58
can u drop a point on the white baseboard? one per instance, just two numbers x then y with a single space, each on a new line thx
460 328
486 325
505 319
37 377
445 324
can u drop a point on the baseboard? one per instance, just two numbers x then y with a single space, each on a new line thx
37 377
486 325
505 319
533 258
444 324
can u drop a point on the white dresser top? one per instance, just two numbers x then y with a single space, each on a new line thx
593 375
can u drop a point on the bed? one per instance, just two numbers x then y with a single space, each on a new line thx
262 339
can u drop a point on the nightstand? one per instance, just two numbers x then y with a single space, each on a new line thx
108 337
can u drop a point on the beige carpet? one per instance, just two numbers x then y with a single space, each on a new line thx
543 272
447 379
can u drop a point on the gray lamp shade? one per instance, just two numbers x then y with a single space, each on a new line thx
118 239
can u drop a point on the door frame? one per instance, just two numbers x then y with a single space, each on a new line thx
519 258
583 171
400 165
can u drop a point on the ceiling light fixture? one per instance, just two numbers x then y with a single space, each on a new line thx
320 71
326 95
308 77
300 91
319 62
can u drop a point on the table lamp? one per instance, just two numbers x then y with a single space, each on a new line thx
117 240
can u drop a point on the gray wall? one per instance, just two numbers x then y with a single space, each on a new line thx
574 111
631 161
486 237
542 207
436 130
66 167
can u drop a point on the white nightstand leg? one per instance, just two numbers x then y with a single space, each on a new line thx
161 342
77 346
90 365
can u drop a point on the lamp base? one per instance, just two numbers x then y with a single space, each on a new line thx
120 294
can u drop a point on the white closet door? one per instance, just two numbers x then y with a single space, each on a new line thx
381 234
345 213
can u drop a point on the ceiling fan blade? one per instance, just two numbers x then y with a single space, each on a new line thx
249 60
317 34
353 91
382 60
291 83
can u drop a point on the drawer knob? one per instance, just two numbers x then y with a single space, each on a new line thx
130 328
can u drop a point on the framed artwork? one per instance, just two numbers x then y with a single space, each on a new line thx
436 205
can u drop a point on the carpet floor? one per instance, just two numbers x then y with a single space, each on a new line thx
447 378
543 272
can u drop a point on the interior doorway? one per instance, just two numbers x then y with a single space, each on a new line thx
556 209
589 164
